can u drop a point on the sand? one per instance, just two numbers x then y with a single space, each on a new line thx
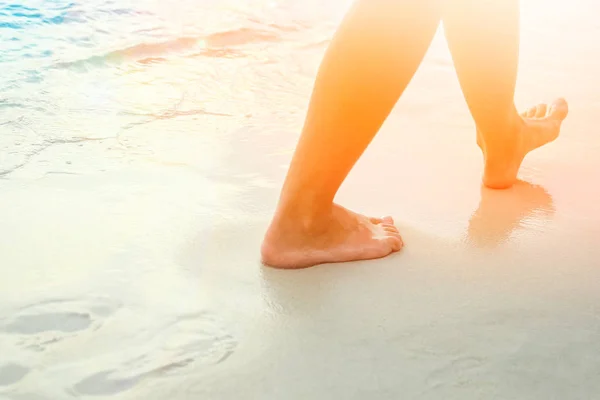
133 272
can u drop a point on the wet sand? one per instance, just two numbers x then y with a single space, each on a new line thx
131 269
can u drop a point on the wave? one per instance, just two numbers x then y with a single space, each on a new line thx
220 44
18 16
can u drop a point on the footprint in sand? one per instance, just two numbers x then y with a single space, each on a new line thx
37 326
189 340
12 373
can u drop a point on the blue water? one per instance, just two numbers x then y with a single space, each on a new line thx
74 71
78 71
88 89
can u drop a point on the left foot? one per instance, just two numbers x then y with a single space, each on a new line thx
541 125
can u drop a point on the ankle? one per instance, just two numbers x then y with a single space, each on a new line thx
504 138
501 126
304 211
304 201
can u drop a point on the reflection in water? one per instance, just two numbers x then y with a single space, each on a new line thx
500 212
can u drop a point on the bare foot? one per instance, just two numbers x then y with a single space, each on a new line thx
338 235
541 125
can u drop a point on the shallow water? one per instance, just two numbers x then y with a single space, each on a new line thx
142 146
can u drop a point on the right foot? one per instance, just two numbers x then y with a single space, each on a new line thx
541 125
338 235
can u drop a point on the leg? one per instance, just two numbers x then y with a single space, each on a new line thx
369 63
483 37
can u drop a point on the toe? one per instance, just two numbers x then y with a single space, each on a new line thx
388 220
390 228
382 220
558 109
395 234
531 112
395 242
541 111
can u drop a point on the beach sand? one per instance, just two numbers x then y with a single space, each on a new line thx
131 268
